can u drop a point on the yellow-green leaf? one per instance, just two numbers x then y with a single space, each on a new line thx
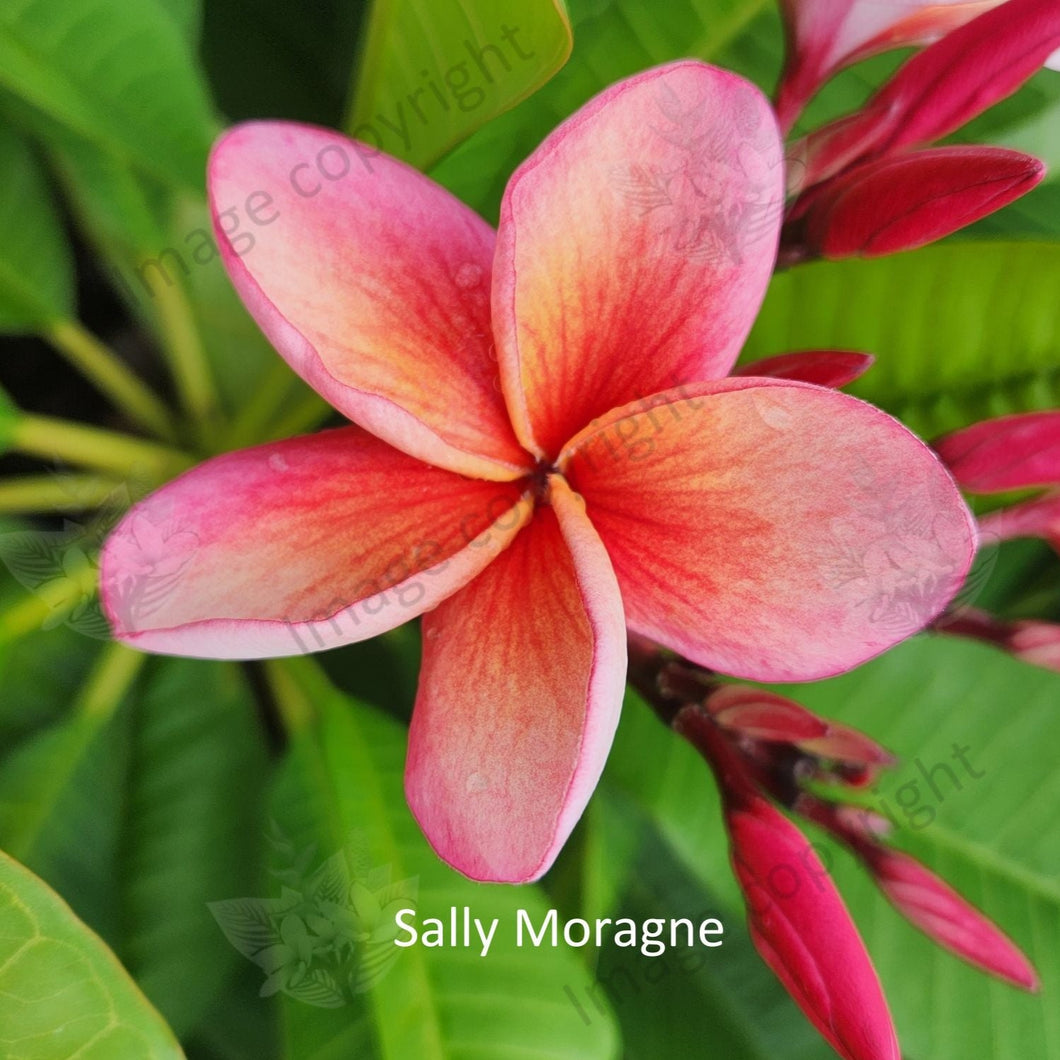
430 74
64 993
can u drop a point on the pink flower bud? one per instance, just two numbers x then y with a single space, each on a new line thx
908 201
1007 453
941 913
830 368
940 88
797 919
826 35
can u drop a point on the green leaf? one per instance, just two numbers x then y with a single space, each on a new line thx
122 75
36 266
65 994
430 75
41 671
187 14
123 211
670 1004
143 817
343 775
961 332
191 832
974 796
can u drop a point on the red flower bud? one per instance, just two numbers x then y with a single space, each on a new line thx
797 919
899 203
831 368
1007 453
941 913
940 88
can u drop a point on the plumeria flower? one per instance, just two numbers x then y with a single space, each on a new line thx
870 183
546 448
826 35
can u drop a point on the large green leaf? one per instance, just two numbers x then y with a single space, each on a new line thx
343 775
65 994
143 816
190 832
120 74
961 332
429 75
36 266
989 828
974 795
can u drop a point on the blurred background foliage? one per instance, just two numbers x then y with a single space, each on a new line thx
142 791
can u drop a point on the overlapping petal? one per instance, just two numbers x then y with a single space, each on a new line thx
771 529
634 247
299 545
519 695
374 284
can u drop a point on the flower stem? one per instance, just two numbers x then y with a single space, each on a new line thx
257 416
51 493
187 359
111 677
32 612
309 412
111 376
295 707
92 447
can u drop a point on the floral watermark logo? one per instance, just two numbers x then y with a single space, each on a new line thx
61 567
329 935
710 206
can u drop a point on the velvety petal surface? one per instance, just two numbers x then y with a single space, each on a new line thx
771 529
520 690
634 247
374 284
297 546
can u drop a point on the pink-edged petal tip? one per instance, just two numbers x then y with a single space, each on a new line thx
771 529
373 282
298 546
634 247
519 695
